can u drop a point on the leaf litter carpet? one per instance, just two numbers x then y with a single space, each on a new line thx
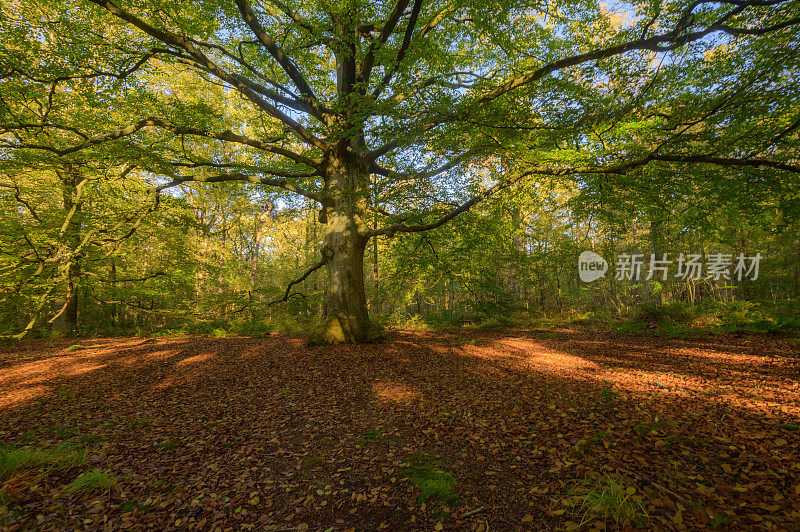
269 434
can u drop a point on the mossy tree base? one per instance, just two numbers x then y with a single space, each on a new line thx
343 330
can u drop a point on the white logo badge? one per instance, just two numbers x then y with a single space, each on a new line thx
591 266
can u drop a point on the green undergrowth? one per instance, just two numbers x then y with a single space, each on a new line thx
63 456
91 481
411 322
685 321
371 436
608 501
51 463
669 319
674 319
434 484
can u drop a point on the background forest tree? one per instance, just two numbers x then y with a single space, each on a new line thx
166 164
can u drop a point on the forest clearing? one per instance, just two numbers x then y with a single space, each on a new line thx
412 265
456 430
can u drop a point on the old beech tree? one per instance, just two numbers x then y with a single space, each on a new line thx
398 116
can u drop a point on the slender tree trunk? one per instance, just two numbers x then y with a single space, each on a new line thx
516 254
256 253
656 242
221 273
260 220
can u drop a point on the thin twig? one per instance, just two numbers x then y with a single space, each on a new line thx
654 483
471 512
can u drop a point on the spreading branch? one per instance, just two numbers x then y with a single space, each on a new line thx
280 56
222 178
620 168
286 294
267 145
677 37
204 62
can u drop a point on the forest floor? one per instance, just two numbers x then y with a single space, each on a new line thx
455 430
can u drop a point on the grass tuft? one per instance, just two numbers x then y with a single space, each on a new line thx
66 394
93 480
607 394
608 500
369 437
494 322
15 459
310 461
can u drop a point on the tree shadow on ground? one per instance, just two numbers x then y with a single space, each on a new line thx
321 434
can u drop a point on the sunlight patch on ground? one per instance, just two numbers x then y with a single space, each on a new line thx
753 394
24 379
81 368
203 357
16 381
728 357
405 342
535 355
530 354
742 380
394 392
399 356
172 381
16 396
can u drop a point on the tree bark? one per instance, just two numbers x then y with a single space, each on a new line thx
67 321
114 309
346 319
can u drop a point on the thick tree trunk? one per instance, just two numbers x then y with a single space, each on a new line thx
346 319
67 321
114 309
